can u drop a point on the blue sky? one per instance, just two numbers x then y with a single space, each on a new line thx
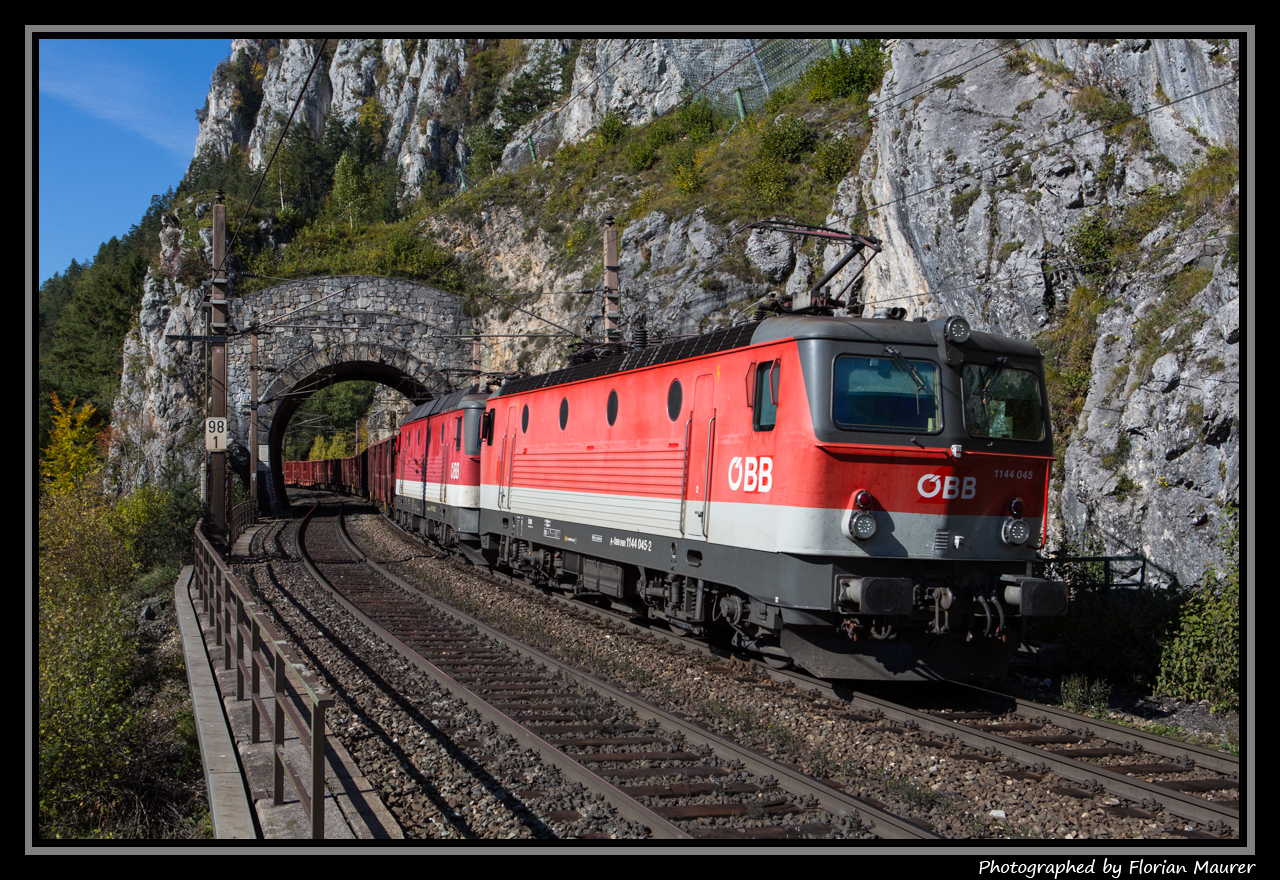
115 125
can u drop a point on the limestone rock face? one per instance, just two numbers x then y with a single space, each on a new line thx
984 159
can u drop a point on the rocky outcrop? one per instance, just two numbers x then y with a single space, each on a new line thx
157 419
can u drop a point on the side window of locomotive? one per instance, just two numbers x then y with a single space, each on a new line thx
472 430
1002 402
486 428
766 396
457 434
884 393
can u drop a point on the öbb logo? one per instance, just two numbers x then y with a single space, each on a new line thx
752 474
950 487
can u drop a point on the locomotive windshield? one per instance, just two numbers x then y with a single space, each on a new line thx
889 393
1001 401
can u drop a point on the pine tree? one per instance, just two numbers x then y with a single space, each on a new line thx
353 194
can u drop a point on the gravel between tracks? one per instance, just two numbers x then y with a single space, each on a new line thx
959 798
442 770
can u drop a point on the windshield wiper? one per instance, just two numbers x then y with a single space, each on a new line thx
1001 363
905 366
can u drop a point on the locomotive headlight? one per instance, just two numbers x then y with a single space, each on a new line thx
862 525
862 499
956 330
1016 532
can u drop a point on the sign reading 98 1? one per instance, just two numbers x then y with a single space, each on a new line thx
215 434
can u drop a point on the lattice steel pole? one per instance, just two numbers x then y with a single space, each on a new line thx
613 335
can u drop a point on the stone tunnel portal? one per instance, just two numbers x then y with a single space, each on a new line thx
287 399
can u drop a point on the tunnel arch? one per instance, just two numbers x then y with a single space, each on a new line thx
317 332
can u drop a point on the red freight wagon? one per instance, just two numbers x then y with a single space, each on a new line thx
381 472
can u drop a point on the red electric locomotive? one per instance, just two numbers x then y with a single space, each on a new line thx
437 461
859 496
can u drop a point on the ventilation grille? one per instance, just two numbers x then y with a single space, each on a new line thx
941 542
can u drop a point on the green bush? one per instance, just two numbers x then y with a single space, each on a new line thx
854 74
1202 661
1103 104
612 129
697 120
765 182
641 155
1094 241
682 162
486 147
85 651
106 766
962 202
834 158
662 131
1208 187
786 141
1079 694
1068 351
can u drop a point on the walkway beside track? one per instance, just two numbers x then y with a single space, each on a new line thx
238 773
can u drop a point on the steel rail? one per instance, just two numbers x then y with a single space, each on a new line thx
1209 759
627 806
1176 802
883 823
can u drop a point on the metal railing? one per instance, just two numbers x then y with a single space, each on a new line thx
1109 580
243 515
238 626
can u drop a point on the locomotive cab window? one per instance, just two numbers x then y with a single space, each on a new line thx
766 396
886 393
1002 402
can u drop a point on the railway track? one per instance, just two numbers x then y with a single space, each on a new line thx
656 769
1120 773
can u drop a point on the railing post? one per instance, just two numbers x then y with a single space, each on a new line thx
317 769
240 621
255 679
228 601
277 739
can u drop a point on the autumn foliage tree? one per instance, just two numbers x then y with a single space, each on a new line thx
85 647
102 763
